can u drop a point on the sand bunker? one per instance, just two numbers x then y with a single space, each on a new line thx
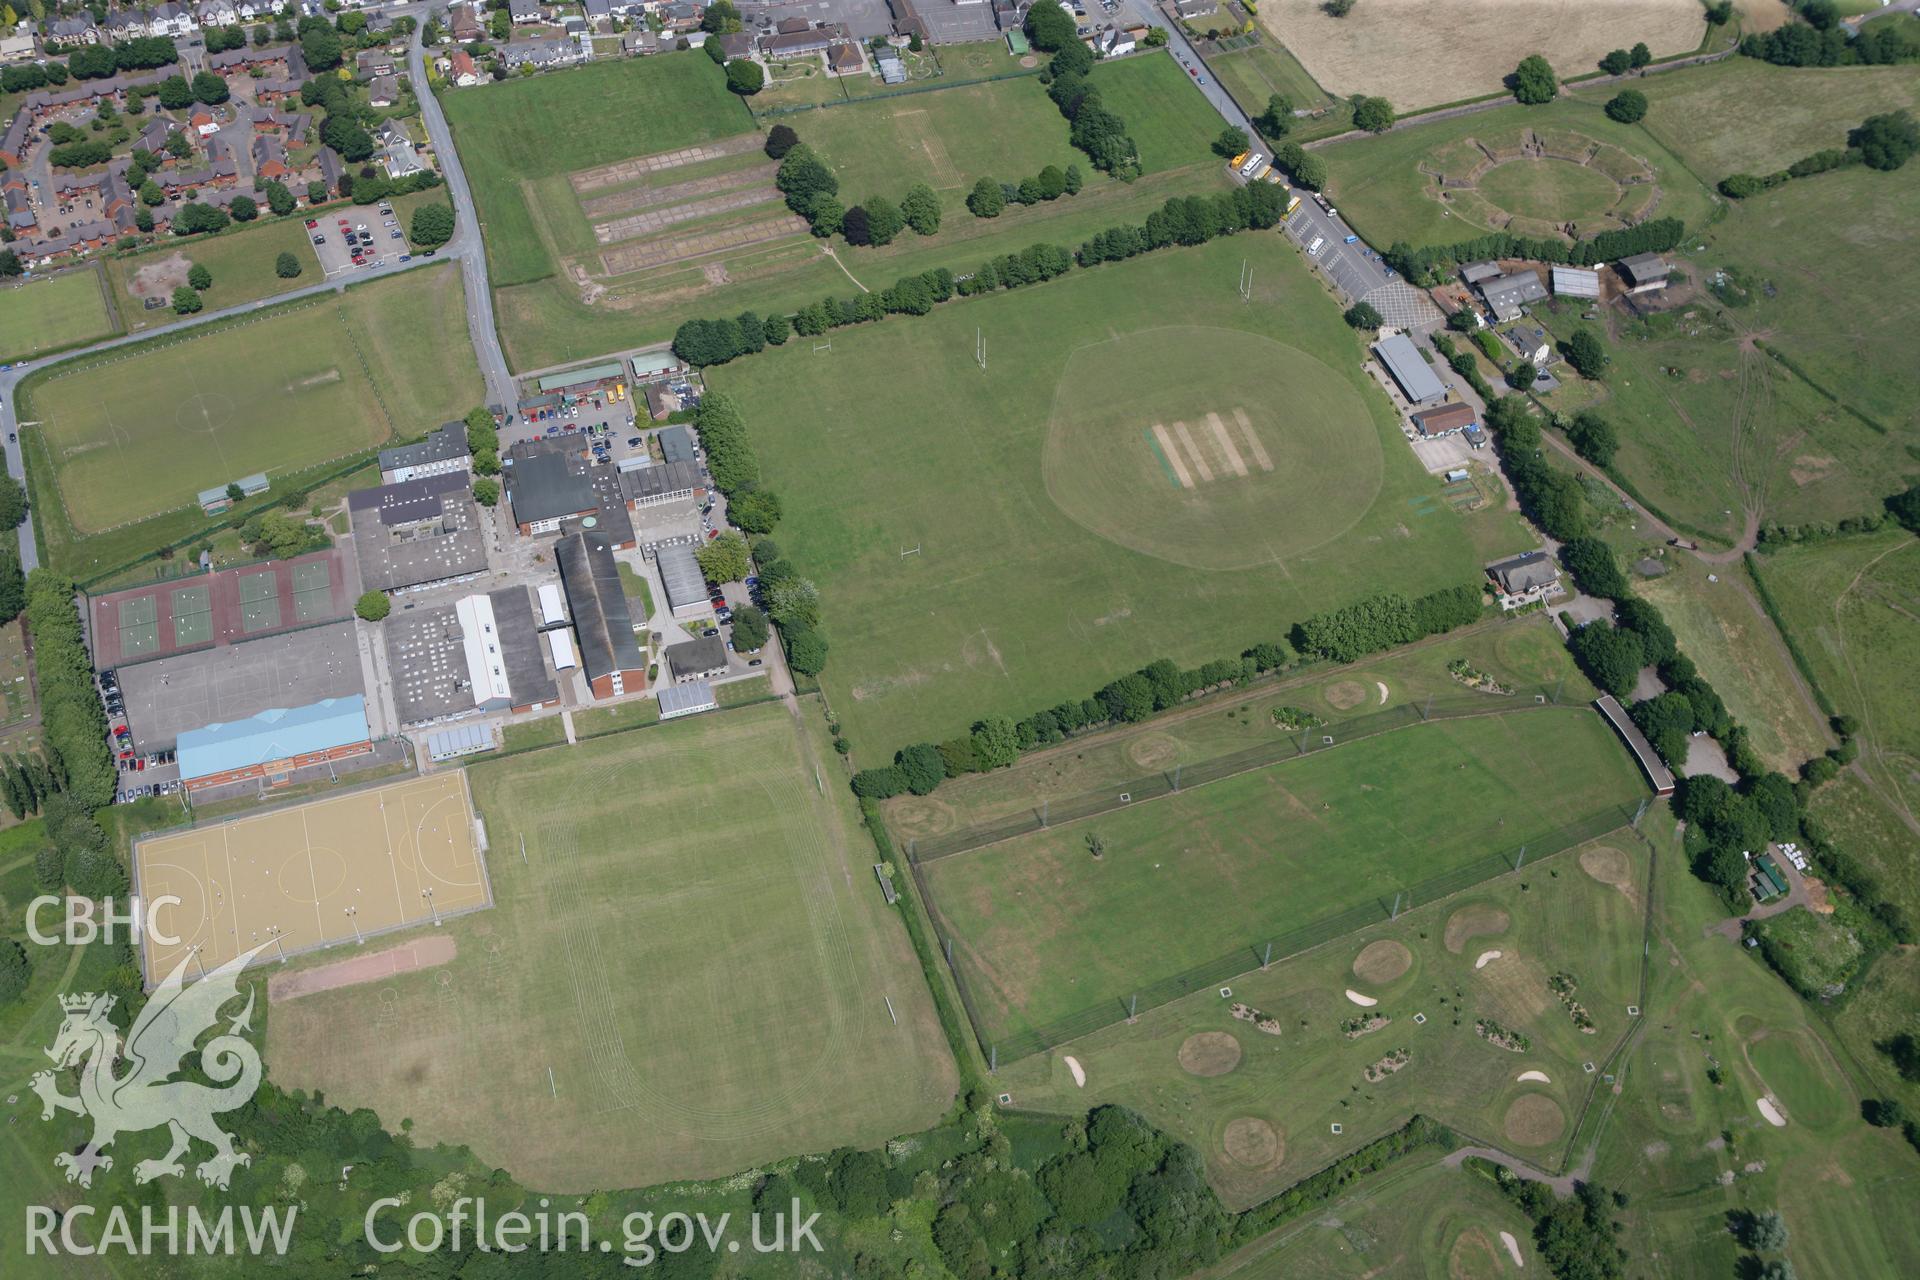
1365 1002
1487 958
1523 1077
1080 1075
1772 1113
1513 1248
1533 1120
1473 922
1381 685
1382 961
1253 1143
1210 1053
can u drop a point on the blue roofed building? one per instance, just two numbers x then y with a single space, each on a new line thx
275 742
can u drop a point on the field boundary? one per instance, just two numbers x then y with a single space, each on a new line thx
1260 953
799 108
1153 786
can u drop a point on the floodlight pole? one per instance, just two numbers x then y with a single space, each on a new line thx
1520 858
993 1058
353 914
949 951
427 893
1176 777
1043 812
1133 1006
1396 908
278 949
195 952
1267 959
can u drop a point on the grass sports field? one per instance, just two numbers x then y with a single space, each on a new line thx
59 311
694 947
1170 121
516 134
1388 185
1013 602
315 875
1258 1094
1044 929
134 433
1525 655
1256 73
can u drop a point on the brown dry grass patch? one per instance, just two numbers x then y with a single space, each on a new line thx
1209 1053
1381 962
1343 695
1252 1143
1468 923
1387 47
1534 1120
1153 750
1474 1255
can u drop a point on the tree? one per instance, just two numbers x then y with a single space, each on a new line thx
780 140
1904 1052
373 606
1629 106
16 970
1375 115
1277 120
995 744
1612 658
177 145
199 277
721 18
243 209
1050 28
1595 569
1533 81
806 651
745 77
1720 13
1593 438
1617 63
884 220
210 89
486 491
921 208
725 558
1231 142
1766 1232
1586 355
10 264
1522 375
13 502
432 225
1886 142
1639 56
756 510
151 194
986 200
795 603
286 266
1336 8
749 628
921 767
321 48
175 93
186 301
1363 315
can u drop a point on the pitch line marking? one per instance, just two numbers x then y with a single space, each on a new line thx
1199 459
1253 440
1173 456
1226 444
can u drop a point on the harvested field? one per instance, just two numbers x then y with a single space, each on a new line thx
625 171
657 253
637 225
646 196
1386 47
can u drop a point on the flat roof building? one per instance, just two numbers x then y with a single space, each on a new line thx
1658 775
274 742
676 444
417 532
686 699
1574 282
444 450
1417 380
170 697
1507 295
609 656
543 489
672 482
685 584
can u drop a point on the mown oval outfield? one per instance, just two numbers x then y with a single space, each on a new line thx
1249 451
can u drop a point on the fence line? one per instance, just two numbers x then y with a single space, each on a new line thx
799 107
1262 951
1152 786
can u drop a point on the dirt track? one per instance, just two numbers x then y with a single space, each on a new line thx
421 953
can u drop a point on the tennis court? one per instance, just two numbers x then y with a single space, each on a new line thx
313 875
312 591
164 618
139 624
192 616
259 601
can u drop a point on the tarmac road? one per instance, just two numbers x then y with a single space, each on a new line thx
465 247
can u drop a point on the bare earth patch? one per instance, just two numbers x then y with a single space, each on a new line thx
1382 961
1252 1143
1209 1053
1386 47
1469 923
159 278
421 953
1534 1120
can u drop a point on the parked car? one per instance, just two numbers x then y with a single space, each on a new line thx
755 662
711 631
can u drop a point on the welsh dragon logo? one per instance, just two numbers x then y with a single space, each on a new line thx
144 1096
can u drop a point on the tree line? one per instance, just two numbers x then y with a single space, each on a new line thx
73 723
1818 39
1884 142
1189 220
1096 130
989 198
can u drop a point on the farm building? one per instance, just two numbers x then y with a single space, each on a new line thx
701 658
273 743
1444 421
1417 381
686 585
1769 879
1643 272
687 699
1525 578
1475 272
1656 770
609 655
1575 282
444 450
1507 295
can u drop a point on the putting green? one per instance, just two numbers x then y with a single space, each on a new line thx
1211 448
1549 189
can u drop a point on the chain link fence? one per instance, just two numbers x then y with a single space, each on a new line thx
1260 952
1294 744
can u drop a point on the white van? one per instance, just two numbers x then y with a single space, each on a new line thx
1313 250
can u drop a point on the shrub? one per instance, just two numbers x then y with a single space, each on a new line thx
1629 106
373 606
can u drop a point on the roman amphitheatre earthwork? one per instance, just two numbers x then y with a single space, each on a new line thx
1541 182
